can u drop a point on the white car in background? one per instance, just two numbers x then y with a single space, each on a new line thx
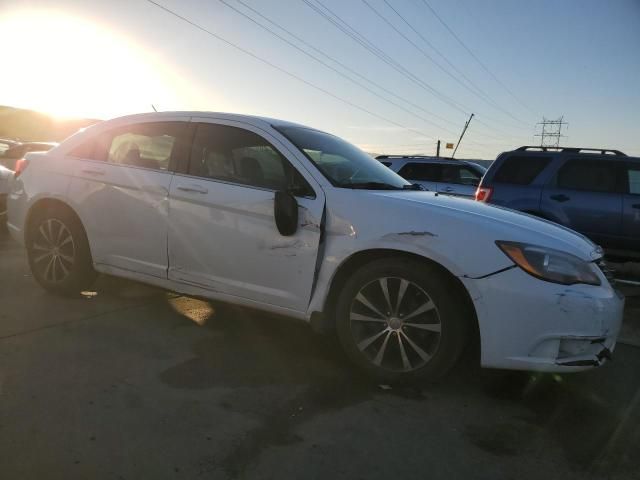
5 177
288 219
436 174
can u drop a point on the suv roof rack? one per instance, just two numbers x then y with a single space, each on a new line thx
602 151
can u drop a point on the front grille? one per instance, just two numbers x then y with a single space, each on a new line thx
608 271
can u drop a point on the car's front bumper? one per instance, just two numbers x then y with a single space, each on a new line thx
529 324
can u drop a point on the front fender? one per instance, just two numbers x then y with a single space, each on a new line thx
342 242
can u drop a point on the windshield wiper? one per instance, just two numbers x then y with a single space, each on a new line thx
371 186
413 186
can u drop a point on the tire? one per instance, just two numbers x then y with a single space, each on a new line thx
58 252
421 337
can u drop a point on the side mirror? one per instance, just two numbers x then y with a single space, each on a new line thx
286 213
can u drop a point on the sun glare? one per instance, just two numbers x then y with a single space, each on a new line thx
66 66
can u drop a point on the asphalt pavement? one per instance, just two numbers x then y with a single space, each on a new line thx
130 382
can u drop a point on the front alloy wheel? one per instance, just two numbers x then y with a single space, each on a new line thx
400 319
395 324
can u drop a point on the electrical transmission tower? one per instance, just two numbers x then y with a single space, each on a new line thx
551 132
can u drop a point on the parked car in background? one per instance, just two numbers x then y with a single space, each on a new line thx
453 177
5 177
10 156
593 191
288 219
6 143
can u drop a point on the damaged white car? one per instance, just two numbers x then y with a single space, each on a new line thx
289 219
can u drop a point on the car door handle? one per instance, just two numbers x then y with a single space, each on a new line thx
447 189
560 198
93 171
636 205
193 189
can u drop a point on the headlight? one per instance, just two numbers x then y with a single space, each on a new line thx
550 265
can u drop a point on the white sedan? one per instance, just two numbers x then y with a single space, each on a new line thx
288 219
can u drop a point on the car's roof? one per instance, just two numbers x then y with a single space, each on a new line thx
208 114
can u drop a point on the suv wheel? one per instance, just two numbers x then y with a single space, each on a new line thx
400 320
58 252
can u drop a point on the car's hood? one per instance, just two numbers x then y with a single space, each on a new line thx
506 224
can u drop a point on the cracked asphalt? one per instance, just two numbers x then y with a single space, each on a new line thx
130 382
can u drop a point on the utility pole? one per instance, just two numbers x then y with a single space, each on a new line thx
438 150
466 125
551 132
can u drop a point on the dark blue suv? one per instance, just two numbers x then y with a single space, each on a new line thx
595 192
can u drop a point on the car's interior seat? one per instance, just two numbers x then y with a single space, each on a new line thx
132 157
251 171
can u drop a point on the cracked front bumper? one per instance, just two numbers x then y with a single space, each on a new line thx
529 324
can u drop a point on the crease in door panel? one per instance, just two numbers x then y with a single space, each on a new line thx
320 254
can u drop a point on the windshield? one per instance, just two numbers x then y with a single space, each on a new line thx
344 164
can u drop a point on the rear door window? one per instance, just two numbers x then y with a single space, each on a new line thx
521 169
426 172
460 175
588 175
147 145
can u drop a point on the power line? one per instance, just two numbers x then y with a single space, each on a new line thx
425 40
484 67
283 70
346 67
359 38
348 30
417 47
356 82
290 74
478 92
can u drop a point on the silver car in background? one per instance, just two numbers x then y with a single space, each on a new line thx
452 177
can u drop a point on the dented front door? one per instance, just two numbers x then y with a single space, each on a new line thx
223 236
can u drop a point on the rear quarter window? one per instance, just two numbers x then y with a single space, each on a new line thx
521 170
633 178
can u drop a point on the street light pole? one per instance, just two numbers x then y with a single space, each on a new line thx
466 125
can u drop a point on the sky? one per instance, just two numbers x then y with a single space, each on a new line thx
429 64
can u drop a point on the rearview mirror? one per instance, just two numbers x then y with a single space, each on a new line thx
286 213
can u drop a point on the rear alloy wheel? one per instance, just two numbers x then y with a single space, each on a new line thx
400 321
58 253
55 251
